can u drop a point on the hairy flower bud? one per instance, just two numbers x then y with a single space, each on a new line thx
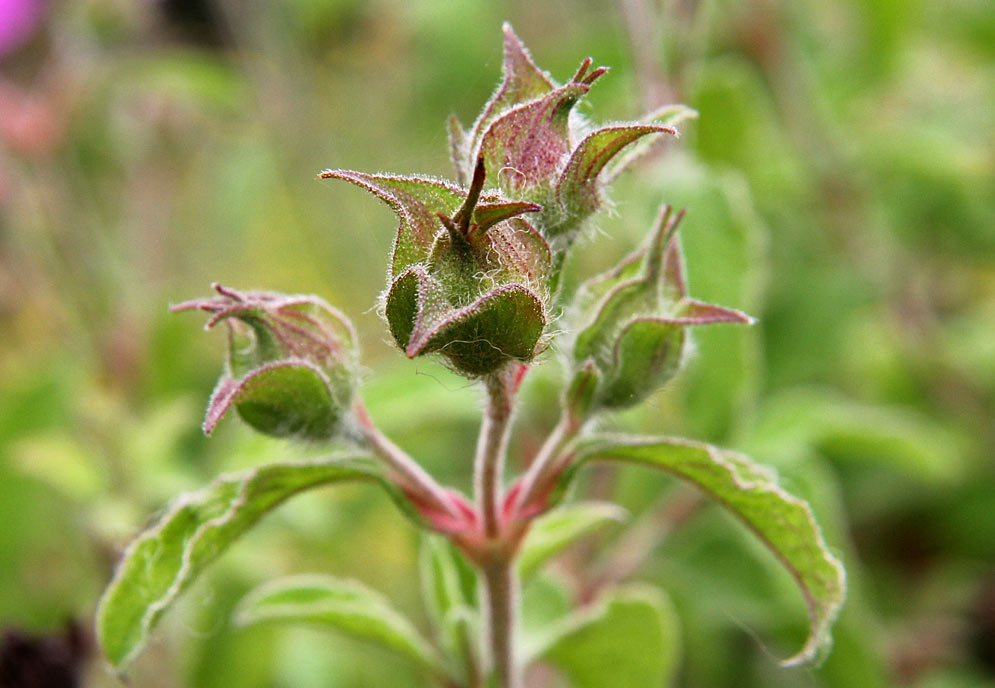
292 363
538 149
637 314
468 278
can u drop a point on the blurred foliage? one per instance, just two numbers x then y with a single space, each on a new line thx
840 186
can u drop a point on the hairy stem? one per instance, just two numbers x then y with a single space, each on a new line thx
546 461
501 609
412 476
492 446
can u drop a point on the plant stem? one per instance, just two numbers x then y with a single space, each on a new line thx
546 460
492 446
501 609
414 478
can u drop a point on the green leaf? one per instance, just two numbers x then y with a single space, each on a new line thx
630 639
344 605
559 528
163 561
451 611
782 522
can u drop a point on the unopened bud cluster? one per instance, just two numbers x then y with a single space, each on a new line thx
475 268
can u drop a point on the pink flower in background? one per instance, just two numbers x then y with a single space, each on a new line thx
18 19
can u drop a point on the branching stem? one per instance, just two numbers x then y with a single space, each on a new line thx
413 477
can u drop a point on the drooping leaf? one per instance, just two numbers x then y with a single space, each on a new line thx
164 560
782 522
630 639
344 605
416 201
559 528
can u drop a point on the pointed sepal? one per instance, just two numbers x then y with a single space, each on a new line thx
503 325
292 363
417 202
578 189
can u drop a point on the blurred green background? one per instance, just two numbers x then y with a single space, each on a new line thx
840 186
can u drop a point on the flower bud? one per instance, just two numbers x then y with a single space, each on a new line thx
538 149
469 278
637 315
292 363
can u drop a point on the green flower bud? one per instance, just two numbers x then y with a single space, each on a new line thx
636 320
292 363
469 278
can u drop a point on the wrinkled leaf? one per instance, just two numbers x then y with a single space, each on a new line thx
164 560
630 639
344 605
782 522
559 528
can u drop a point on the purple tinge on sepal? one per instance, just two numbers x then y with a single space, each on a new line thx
221 400
532 139
694 312
417 201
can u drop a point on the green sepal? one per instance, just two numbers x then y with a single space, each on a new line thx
282 399
668 116
503 325
522 81
417 202
578 189
647 353
523 149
